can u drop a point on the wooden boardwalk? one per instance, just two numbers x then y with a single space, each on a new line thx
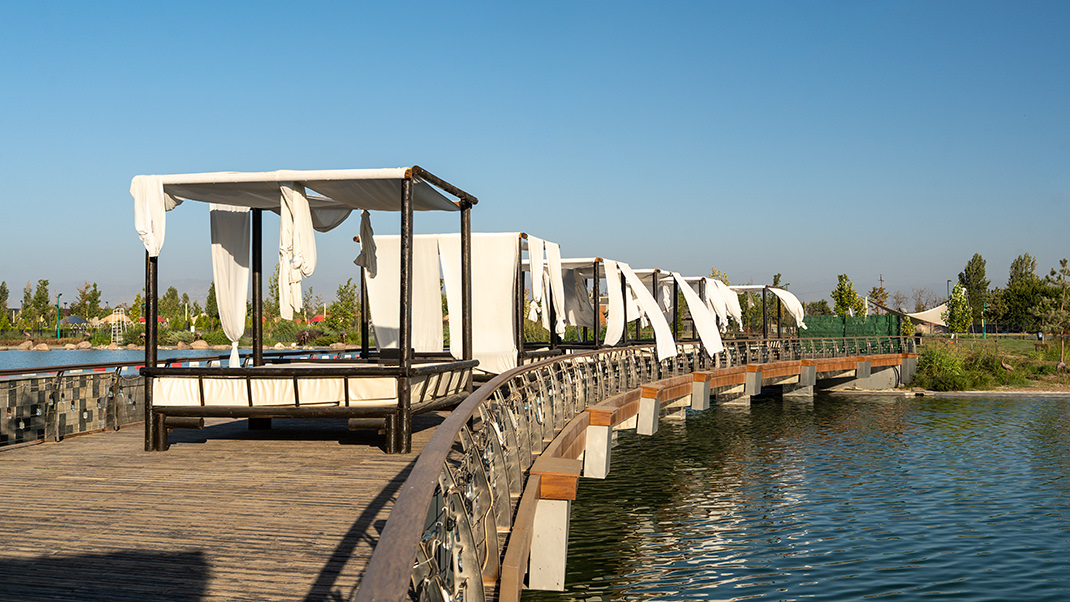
226 514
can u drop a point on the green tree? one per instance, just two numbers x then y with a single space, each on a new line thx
87 303
271 302
137 308
1054 313
878 295
1025 292
1023 268
972 277
210 306
343 311
42 304
3 297
818 308
27 314
844 298
170 306
957 317
906 326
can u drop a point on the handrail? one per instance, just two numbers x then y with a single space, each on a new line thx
473 467
317 371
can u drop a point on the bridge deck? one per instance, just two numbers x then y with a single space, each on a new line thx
287 514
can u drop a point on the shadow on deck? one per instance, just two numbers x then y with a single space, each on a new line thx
290 513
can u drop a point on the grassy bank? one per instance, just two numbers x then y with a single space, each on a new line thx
973 364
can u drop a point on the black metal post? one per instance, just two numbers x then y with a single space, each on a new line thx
520 304
364 344
151 287
554 338
402 432
675 309
258 287
765 315
466 280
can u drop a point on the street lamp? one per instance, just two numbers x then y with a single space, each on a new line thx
58 295
948 290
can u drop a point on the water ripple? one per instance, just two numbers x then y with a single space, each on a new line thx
962 499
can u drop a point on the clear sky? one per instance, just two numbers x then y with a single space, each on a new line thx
890 139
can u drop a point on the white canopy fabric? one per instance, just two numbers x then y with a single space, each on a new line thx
615 319
715 301
705 322
494 276
579 311
230 268
535 260
385 288
664 343
557 287
338 192
297 248
732 301
792 304
932 316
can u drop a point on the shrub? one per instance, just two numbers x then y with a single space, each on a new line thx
101 336
216 337
174 337
134 335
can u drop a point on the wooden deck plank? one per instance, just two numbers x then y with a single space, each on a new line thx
292 513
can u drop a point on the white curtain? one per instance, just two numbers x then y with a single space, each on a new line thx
230 268
495 258
666 346
557 288
615 319
297 248
715 302
731 300
150 205
579 311
535 263
367 259
792 304
704 319
384 293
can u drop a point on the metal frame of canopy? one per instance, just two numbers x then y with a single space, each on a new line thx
256 191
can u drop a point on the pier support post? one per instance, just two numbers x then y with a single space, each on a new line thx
805 386
549 541
597 451
753 384
863 370
700 391
908 368
648 412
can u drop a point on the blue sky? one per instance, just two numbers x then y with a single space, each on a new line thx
890 139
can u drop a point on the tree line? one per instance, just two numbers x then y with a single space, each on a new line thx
1027 302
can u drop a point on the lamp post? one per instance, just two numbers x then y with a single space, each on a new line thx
58 295
948 290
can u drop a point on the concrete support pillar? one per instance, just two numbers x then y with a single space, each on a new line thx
549 545
805 386
863 370
700 391
598 451
909 368
648 416
753 384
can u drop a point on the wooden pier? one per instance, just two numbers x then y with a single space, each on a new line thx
291 513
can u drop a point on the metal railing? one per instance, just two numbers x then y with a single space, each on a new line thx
445 534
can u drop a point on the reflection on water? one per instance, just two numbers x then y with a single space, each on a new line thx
839 499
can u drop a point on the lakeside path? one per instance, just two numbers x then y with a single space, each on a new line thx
226 514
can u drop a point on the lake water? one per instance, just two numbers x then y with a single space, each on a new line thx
846 498
11 359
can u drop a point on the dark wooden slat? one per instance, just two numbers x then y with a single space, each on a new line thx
287 514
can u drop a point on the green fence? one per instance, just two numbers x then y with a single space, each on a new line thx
835 326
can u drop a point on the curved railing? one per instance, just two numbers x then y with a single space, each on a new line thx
445 533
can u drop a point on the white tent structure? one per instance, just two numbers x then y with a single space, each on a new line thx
307 202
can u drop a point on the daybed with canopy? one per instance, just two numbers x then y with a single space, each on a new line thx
306 201
498 268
